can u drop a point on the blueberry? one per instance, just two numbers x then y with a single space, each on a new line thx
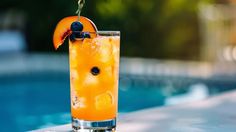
95 71
79 35
72 37
76 35
76 26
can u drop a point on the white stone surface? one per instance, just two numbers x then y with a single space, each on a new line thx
216 114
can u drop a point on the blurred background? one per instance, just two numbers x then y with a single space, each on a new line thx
172 52
170 29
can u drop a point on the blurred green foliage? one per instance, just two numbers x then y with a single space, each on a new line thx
151 28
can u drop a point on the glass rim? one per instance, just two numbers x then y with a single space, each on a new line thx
100 32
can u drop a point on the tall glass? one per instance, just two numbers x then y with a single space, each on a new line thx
94 73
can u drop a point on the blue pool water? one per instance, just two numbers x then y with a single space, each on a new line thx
35 100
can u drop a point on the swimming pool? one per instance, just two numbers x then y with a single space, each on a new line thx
40 97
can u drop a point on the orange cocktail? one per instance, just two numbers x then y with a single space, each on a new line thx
94 69
94 64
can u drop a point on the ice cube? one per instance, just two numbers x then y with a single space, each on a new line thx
77 102
105 50
74 74
104 101
73 60
90 80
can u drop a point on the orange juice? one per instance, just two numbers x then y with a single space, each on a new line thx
94 67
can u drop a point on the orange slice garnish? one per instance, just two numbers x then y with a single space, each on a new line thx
63 30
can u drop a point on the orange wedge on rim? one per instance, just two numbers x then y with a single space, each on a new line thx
63 30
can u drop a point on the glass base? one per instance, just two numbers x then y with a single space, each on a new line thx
93 126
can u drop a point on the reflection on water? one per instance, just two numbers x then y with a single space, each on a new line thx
196 92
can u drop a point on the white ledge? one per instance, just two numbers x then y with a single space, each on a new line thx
216 114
